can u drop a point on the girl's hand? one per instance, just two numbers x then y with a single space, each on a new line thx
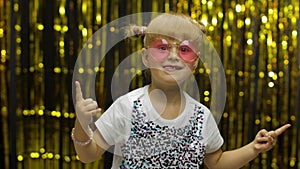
85 108
265 140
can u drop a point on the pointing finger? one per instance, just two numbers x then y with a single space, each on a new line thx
78 92
282 129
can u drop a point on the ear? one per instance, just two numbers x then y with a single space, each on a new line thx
195 64
145 57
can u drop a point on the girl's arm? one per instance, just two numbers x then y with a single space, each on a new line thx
237 158
85 109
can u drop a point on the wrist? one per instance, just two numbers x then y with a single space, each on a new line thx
79 141
255 150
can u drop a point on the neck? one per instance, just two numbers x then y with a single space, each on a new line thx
169 102
171 93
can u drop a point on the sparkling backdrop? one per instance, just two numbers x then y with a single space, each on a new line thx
39 42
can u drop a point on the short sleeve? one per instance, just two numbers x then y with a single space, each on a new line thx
211 134
114 123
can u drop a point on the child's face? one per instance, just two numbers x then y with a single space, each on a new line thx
170 58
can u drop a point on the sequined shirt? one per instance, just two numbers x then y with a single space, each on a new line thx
145 140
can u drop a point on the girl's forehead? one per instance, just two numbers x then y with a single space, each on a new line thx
170 39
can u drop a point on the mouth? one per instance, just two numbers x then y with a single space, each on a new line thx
171 68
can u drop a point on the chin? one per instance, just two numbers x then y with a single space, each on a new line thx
174 80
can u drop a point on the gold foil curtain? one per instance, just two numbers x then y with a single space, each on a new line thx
257 42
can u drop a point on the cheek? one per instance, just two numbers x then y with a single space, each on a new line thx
192 66
155 62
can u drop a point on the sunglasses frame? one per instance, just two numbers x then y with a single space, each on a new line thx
177 44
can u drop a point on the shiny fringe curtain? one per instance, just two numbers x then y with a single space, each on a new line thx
258 43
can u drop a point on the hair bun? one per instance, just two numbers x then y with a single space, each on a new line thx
136 31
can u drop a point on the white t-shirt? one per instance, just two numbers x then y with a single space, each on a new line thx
142 138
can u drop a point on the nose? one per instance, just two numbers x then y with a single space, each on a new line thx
173 55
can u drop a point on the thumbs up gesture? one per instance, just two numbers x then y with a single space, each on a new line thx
85 108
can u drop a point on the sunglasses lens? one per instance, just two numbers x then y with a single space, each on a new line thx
160 49
187 51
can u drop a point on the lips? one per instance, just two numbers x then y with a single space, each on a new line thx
171 68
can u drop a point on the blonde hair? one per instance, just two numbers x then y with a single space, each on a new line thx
174 25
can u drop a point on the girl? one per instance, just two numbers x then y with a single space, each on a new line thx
160 125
